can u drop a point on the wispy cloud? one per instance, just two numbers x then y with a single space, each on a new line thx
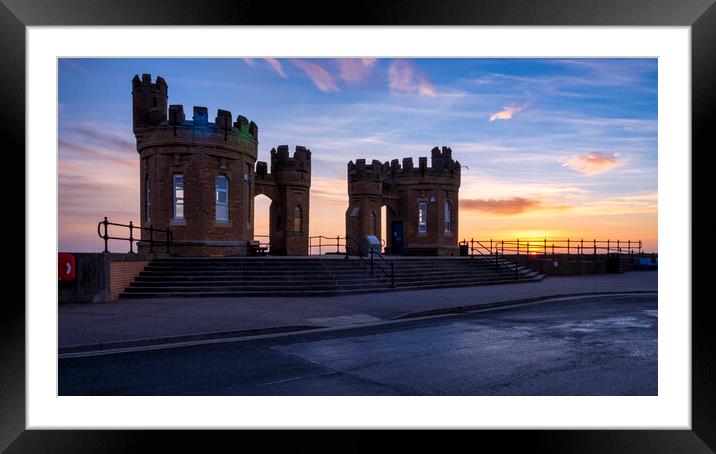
404 78
322 79
272 63
354 70
276 65
593 163
507 113
508 207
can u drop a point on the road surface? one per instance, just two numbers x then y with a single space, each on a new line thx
603 345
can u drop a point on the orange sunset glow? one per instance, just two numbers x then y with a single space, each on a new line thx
551 149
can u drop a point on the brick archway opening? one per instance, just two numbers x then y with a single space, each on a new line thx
262 221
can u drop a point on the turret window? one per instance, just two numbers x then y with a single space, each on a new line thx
178 212
422 217
222 198
448 214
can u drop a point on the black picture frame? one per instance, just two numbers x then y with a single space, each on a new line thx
700 15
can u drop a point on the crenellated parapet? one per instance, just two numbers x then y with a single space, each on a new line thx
442 169
285 168
156 124
420 200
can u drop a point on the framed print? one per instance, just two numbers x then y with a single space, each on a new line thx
508 282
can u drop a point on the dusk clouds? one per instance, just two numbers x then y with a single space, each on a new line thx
548 146
593 163
405 79
506 114
328 75
508 207
355 70
322 79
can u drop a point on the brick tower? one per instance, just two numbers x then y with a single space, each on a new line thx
197 177
422 203
287 185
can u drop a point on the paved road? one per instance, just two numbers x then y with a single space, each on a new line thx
124 320
591 346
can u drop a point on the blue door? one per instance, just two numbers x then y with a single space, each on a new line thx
397 243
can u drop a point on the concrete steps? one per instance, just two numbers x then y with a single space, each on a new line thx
311 276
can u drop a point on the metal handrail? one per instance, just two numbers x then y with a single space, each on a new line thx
169 238
504 262
334 241
321 244
547 246
354 247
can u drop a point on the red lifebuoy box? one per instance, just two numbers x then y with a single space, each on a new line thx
66 266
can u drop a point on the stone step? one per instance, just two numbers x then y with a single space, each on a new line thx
235 276
300 274
172 287
307 293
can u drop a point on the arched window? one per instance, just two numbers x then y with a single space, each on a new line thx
297 219
222 198
372 227
178 211
448 216
422 217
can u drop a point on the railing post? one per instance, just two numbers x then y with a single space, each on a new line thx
629 246
131 238
490 245
552 249
528 248
503 247
609 248
581 246
545 246
106 236
338 244
639 245
595 247
472 247
518 246
619 249
567 246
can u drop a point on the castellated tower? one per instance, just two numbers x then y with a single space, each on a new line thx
197 177
421 203
287 185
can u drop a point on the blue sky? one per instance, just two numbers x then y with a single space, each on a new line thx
553 147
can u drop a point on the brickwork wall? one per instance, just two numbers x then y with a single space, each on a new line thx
200 151
122 274
402 189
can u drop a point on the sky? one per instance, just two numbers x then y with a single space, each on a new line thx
555 148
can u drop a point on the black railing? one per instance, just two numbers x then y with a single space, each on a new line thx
500 260
167 241
374 260
331 244
321 242
553 246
